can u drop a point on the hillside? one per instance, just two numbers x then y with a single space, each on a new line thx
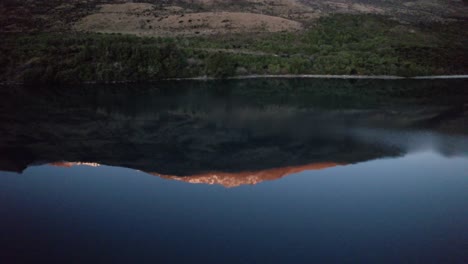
107 41
152 17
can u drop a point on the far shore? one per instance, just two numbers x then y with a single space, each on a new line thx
324 76
285 76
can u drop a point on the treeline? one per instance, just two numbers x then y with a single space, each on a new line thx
66 58
341 44
356 44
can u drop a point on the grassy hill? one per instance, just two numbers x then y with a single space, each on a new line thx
155 17
106 41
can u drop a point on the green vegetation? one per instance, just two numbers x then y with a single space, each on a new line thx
77 58
340 44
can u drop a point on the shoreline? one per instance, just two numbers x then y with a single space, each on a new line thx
279 76
321 76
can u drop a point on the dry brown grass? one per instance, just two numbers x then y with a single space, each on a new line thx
146 19
55 15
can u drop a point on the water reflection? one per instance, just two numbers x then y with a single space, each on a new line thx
232 133
380 173
385 143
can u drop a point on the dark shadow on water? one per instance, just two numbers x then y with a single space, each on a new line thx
232 127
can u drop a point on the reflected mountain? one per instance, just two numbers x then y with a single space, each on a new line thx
228 180
68 164
231 132
234 179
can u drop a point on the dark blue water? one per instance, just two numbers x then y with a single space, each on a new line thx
210 177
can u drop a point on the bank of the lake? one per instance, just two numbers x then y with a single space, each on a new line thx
339 45
323 76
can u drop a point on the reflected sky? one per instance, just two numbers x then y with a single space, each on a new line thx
406 209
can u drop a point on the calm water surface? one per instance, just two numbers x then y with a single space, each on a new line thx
257 171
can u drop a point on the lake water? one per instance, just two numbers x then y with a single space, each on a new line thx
244 171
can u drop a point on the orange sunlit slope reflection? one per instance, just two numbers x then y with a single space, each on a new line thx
235 179
226 179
